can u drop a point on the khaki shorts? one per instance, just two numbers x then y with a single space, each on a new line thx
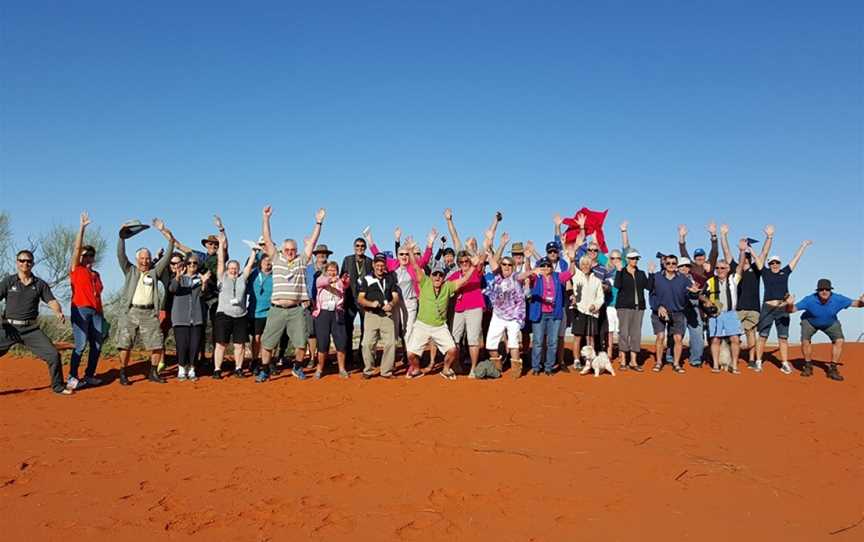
749 319
468 323
139 322
291 321
422 334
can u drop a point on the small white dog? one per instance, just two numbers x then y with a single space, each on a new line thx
596 362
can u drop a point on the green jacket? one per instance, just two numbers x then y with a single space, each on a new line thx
132 274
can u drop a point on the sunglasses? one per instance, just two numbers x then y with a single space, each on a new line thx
359 246
192 263
403 254
25 260
177 262
668 264
552 251
634 258
824 290
593 250
721 268
614 257
506 265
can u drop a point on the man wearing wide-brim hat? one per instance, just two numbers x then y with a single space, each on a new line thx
820 314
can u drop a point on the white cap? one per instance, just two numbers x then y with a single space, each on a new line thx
684 261
261 240
775 258
633 253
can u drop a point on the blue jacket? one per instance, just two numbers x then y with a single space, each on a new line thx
535 307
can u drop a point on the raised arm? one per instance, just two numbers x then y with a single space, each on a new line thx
124 262
799 253
269 247
766 247
316 233
682 241
79 241
742 253
250 264
412 260
712 253
220 258
496 257
163 262
625 237
430 242
724 243
457 243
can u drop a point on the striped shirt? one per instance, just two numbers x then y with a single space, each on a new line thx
289 279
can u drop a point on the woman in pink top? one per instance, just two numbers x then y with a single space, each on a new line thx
329 317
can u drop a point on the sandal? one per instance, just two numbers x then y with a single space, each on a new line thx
735 371
679 370
622 366
715 370
657 367
636 368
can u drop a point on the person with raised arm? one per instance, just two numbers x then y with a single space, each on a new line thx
288 294
720 304
589 295
232 323
88 321
187 313
507 298
560 264
631 283
749 301
22 291
775 278
207 261
405 312
140 304
431 324
820 314
700 272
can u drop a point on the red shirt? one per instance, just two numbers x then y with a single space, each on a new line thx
86 288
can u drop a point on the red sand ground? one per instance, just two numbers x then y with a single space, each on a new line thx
641 456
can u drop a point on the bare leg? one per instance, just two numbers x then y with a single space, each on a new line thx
322 358
760 347
659 349
340 361
715 353
218 356
449 358
474 352
609 343
807 350
836 351
784 350
751 345
676 351
735 348
239 356
577 347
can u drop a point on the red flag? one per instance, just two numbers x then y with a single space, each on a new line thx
593 224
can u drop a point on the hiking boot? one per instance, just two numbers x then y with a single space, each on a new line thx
834 372
808 369
154 376
516 370
124 380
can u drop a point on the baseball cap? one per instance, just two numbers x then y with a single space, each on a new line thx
552 245
380 257
775 258
699 252
633 253
684 261
544 262
438 268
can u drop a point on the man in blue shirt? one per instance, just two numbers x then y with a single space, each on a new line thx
820 314
672 293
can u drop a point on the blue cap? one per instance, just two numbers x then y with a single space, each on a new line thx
544 261
553 245
699 252
751 241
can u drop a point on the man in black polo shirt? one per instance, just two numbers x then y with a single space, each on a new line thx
356 266
378 294
22 292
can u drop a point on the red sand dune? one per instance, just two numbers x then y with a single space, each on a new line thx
699 456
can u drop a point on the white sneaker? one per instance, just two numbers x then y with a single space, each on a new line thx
181 372
471 374
190 374
786 368
758 366
72 384
92 381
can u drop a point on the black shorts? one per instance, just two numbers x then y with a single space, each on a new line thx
227 329
329 323
258 325
585 325
676 324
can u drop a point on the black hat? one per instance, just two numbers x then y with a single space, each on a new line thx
823 284
380 257
552 245
543 262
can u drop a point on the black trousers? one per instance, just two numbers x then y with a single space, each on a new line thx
351 311
188 339
33 338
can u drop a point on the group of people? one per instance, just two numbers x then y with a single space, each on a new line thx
286 300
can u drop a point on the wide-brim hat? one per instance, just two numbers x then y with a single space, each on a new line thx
131 227
209 239
517 248
322 249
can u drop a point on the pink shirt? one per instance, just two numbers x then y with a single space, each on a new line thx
548 294
393 263
470 295
329 295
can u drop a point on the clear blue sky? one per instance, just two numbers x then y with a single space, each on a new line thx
745 112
